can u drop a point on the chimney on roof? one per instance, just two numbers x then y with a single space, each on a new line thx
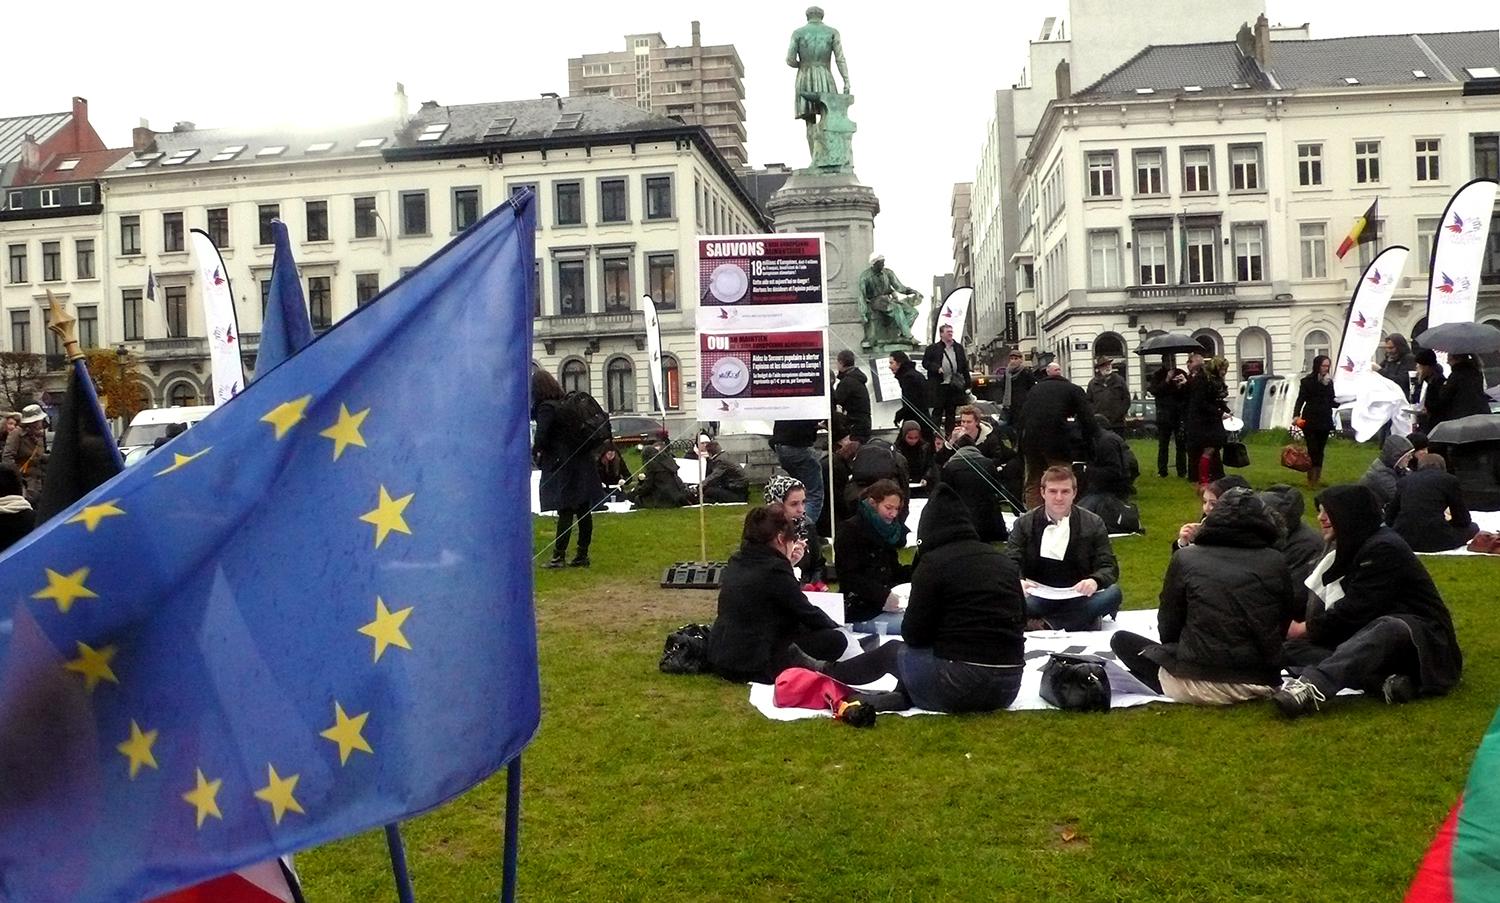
1064 80
697 35
1263 41
142 138
1245 39
183 126
80 112
401 110
31 154
429 105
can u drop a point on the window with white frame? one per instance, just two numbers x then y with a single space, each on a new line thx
1313 238
1368 249
619 379
1316 343
50 197
575 376
1150 177
1202 259
1104 259
1427 229
1427 159
1487 156
1250 252
1197 170
614 273
1244 167
1366 162
1151 256
52 263
1101 166
1309 165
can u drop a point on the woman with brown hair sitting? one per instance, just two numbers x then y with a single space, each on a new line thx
867 548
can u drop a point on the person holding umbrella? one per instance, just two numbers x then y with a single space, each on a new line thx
1314 412
1463 394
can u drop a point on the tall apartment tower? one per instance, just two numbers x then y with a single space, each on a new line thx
702 85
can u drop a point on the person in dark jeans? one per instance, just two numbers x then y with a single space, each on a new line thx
570 475
1314 412
1169 388
1375 619
793 442
1060 545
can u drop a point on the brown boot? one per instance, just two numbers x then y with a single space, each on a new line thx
1315 477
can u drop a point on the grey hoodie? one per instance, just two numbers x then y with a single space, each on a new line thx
1383 473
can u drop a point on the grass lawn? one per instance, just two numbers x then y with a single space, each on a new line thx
642 786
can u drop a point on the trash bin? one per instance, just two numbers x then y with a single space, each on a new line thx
1253 406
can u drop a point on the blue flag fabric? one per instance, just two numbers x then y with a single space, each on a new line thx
308 615
286 329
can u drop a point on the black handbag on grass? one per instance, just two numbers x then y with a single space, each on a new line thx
1075 683
1236 455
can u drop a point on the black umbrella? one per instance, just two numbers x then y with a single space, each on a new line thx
1170 343
1473 428
1461 338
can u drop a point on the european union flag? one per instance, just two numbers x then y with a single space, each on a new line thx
286 329
306 616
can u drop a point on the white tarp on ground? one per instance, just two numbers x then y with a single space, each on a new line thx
686 469
1125 690
1487 520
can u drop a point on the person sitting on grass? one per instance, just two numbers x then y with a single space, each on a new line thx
1393 463
789 493
659 484
1209 495
962 647
1428 510
1225 607
921 463
866 550
613 473
762 611
1062 546
1300 543
724 481
1375 621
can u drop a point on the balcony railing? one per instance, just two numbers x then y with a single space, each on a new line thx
192 346
1196 290
572 326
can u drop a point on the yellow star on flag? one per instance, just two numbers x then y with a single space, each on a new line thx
204 797
65 589
93 665
346 432
387 516
138 750
278 792
180 461
346 732
287 415
386 628
93 514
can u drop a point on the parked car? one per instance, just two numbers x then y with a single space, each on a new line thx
1140 420
630 430
152 424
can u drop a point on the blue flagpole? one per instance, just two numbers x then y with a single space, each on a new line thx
512 830
398 863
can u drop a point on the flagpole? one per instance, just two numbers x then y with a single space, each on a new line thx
398 863
62 325
512 830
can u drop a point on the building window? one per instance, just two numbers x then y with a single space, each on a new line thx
14 200
1427 159
1250 253
265 214
317 220
17 263
1202 258
1101 167
130 235
320 301
1366 162
49 197
218 226
671 382
465 208
698 203
575 376
130 305
1149 173
51 261
414 213
1151 256
1314 241
1367 250
364 217
659 197
1487 156
84 251
1104 259
171 231
88 326
612 207
568 198
570 287
265 297
1315 344
536 287
661 274
615 273
366 287
20 331
1244 167
176 310
619 381
1197 170
182 395
85 195
1427 229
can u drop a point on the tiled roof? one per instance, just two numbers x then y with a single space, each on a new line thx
41 127
1171 67
204 148
530 120
85 166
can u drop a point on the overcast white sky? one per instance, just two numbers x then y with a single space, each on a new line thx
923 73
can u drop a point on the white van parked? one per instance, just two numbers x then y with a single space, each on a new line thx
148 426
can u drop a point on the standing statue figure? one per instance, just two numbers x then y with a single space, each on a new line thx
819 102
887 308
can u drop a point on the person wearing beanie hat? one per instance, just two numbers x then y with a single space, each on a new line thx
1427 393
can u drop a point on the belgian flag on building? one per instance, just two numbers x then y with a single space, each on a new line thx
1365 230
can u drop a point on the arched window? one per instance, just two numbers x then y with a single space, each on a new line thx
671 382
1212 344
183 394
575 375
1316 343
619 379
1255 352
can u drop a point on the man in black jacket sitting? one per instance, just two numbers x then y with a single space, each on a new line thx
1428 510
1064 547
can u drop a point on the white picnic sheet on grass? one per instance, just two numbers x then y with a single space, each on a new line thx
1487 520
1125 690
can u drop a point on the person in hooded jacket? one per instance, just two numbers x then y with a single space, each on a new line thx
852 396
16 515
1398 362
867 550
1388 468
1300 543
1428 510
921 460
1225 607
976 478
963 643
659 484
763 615
1375 622
915 404
1463 394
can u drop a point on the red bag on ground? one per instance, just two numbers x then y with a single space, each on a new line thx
1295 457
800 688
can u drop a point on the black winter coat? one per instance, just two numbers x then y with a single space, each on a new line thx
1089 553
1315 404
932 362
921 460
1432 400
570 475
1045 429
1110 398
915 404
1021 383
1416 513
966 603
1112 468
801 433
660 485
1463 394
1399 370
1228 599
761 610
867 566
724 481
1171 400
852 395
14 526
976 479
1203 419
